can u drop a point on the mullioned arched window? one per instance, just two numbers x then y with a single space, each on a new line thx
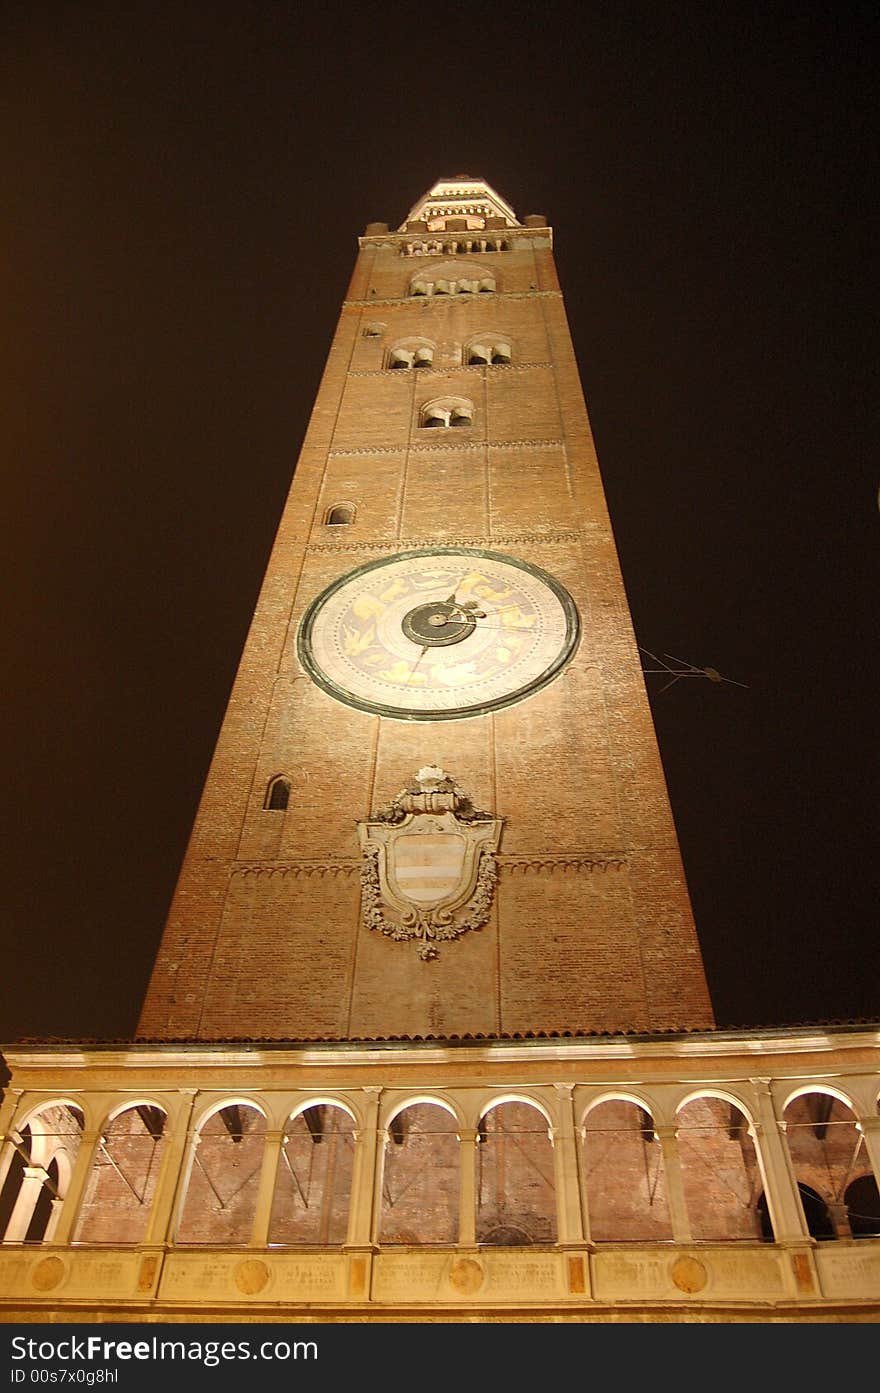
452 278
446 412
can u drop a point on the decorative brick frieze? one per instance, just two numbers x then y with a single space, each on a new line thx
525 865
297 868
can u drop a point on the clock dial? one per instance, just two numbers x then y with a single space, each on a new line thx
438 634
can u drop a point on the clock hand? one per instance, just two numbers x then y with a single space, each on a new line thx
422 653
507 628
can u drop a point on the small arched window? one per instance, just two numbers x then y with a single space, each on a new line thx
340 515
277 794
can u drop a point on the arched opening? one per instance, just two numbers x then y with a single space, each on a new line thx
122 1183
340 515
816 1213
313 1185
862 1200
516 1193
420 1178
720 1174
221 1192
45 1149
826 1148
277 794
625 1175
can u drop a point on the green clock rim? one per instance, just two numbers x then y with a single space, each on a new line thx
399 713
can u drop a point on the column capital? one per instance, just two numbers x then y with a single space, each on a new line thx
762 1086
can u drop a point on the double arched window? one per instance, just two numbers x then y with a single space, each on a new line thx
488 351
446 411
410 353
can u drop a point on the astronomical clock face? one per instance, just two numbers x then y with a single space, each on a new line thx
438 634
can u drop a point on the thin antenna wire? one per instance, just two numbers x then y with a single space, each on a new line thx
684 669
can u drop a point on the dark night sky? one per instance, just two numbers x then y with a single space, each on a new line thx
182 190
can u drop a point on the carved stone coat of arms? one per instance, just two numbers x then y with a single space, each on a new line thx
429 868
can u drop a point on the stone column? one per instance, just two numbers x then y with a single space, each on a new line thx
678 1215
870 1130
266 1189
82 1166
566 1171
25 1204
9 1133
170 1180
467 1194
840 1218
780 1183
55 1215
366 1175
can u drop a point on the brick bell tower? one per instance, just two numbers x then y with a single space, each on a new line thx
436 806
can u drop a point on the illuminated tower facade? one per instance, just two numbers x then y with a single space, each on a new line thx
428 1028
443 596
